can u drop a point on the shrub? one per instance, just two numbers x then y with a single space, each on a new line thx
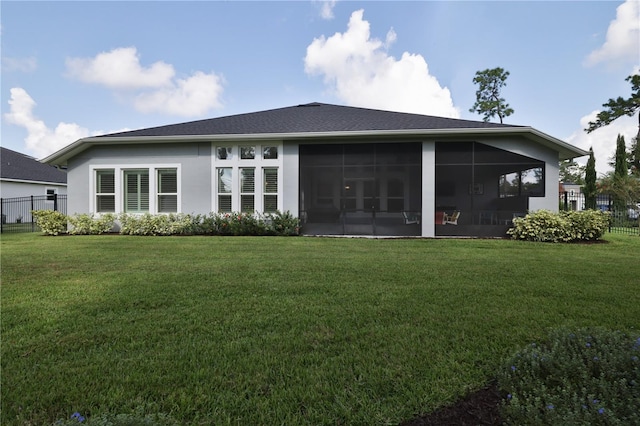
587 225
185 224
88 224
50 222
159 224
586 377
573 226
285 224
238 223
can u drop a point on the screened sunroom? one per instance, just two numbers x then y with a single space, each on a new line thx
480 188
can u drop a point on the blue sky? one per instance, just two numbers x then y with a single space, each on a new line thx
75 69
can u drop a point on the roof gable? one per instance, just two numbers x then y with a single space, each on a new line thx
17 166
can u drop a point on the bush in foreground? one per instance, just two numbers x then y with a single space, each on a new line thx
572 226
586 377
88 224
284 224
51 222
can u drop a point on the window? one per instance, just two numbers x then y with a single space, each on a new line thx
224 153
167 191
51 194
270 152
248 181
105 191
529 182
247 190
247 152
136 196
270 190
224 189
136 188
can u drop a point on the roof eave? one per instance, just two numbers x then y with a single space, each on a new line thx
565 150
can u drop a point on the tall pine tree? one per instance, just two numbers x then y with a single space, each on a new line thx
620 173
621 157
590 189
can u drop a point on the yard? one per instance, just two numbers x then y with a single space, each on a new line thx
270 330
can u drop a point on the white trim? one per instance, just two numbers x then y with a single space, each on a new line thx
39 182
119 170
565 149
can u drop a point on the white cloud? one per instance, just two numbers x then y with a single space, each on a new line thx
120 69
623 36
155 88
189 97
19 64
603 140
326 11
41 140
361 72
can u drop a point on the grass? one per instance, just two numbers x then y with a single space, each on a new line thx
268 330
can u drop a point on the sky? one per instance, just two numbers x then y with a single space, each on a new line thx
82 68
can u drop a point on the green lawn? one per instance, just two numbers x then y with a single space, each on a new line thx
268 330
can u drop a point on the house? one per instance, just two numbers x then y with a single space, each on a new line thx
571 196
341 170
22 176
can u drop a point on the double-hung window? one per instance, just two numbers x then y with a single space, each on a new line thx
224 186
167 191
105 191
136 196
247 189
270 189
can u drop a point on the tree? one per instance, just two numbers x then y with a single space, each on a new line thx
620 165
634 158
623 190
571 172
488 100
590 188
616 108
618 183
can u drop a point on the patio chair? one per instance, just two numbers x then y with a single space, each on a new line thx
453 219
411 218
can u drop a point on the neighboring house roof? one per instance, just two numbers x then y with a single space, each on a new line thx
19 167
314 120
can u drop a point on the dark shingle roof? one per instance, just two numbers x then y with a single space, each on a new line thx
14 165
309 118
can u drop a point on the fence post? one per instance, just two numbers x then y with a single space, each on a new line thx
33 229
55 202
611 212
1 215
566 201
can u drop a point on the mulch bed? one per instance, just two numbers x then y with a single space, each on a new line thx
480 408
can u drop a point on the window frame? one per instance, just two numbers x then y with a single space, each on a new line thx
120 190
236 163
96 194
160 193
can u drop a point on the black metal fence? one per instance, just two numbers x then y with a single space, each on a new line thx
624 221
16 212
